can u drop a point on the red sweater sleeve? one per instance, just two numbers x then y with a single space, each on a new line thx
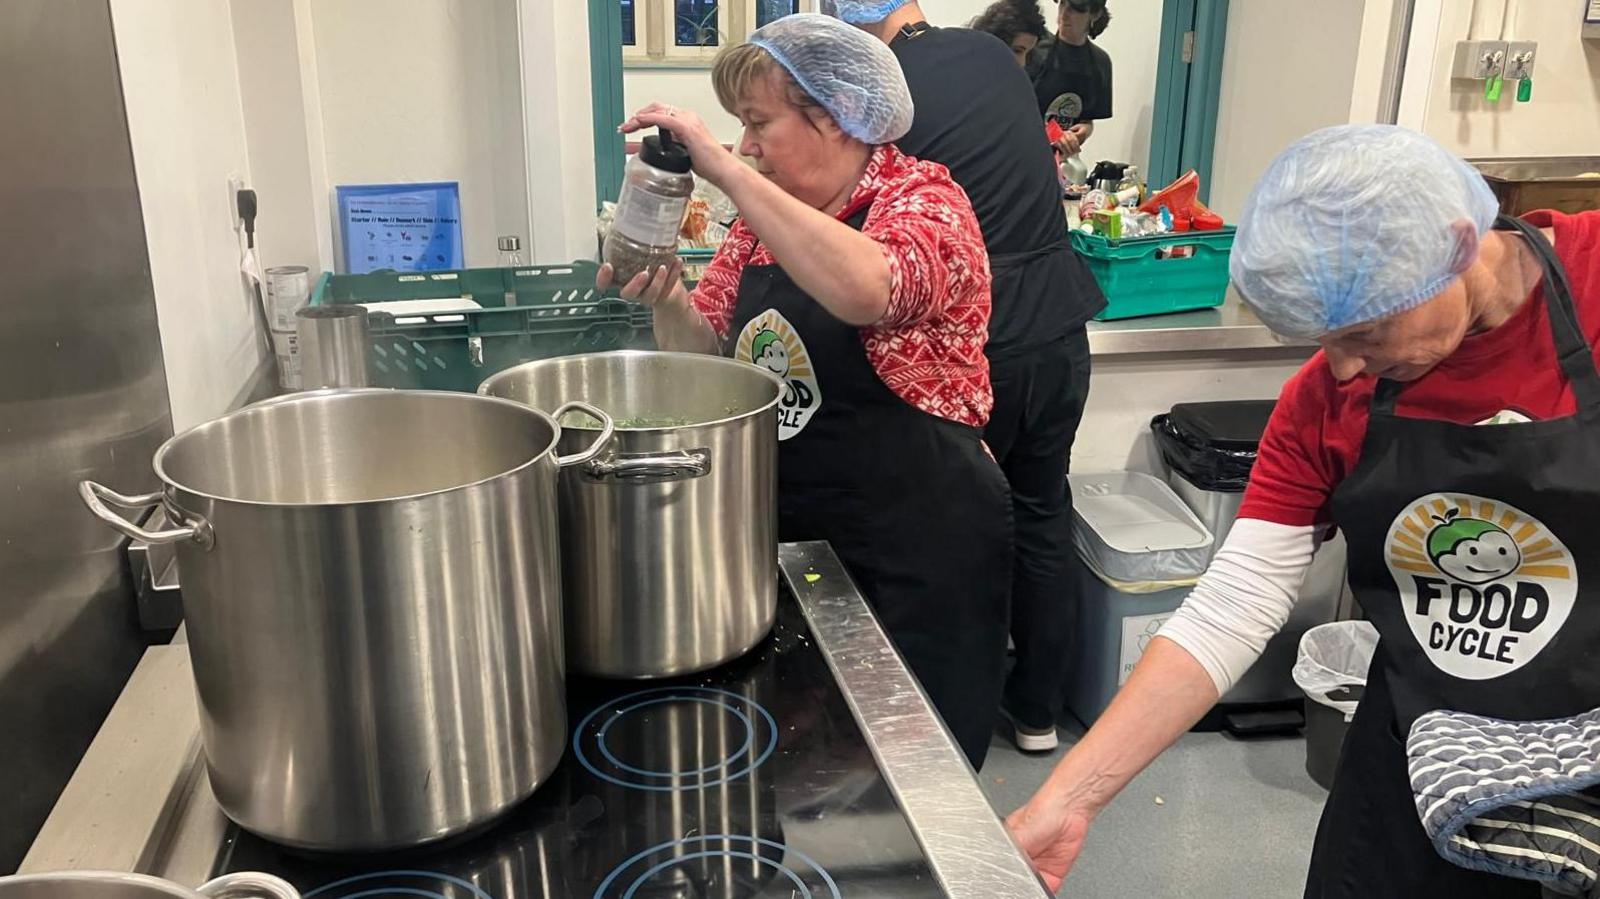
1310 442
718 290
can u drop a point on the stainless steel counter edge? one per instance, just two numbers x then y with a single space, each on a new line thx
1229 327
967 847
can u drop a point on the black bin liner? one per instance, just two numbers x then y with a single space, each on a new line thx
1213 445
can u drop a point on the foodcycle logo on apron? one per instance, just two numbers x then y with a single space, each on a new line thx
772 343
1483 585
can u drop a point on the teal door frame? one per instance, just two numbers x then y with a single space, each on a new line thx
1184 121
605 76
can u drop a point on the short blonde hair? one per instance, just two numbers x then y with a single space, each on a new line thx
740 67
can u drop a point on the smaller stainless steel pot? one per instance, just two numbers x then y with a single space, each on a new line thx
669 536
121 885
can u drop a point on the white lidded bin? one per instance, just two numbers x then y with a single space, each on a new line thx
1132 528
1142 550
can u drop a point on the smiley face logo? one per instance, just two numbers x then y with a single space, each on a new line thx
1483 585
1472 550
768 351
771 342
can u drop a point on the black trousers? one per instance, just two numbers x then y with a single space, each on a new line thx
1038 403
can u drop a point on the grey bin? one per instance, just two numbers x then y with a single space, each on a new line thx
1208 450
1331 666
1141 552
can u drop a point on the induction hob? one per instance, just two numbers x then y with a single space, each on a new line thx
752 780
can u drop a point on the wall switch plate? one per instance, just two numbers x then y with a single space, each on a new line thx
1519 59
235 184
1478 60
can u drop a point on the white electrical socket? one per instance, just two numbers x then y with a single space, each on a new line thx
1519 59
1478 60
235 184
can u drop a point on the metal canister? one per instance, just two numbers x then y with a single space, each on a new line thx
288 287
333 346
286 346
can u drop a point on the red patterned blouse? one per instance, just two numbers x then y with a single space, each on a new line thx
928 348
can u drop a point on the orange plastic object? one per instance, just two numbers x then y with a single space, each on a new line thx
1181 196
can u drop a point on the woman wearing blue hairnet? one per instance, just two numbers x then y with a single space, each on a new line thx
858 275
1450 426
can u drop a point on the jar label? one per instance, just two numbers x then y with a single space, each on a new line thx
649 218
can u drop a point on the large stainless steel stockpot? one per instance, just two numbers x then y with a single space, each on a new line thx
373 600
669 537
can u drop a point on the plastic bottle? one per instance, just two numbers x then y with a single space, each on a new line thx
656 187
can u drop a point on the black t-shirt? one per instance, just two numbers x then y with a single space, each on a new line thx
1058 68
975 115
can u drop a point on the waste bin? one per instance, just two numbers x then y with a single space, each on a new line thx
1141 551
1209 450
1331 667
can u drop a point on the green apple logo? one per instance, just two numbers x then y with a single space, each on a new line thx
1472 550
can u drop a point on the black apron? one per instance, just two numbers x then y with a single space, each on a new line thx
1469 550
1082 71
912 503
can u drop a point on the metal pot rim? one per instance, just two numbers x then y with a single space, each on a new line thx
159 461
699 358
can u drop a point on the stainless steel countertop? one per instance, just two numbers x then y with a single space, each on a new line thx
1230 326
140 800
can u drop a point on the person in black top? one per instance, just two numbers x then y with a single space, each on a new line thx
1071 76
1017 23
974 113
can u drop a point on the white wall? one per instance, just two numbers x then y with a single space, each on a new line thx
1288 69
1125 392
1132 41
422 90
273 95
180 84
557 103
1562 118
686 88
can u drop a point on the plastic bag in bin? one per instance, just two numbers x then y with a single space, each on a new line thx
1334 656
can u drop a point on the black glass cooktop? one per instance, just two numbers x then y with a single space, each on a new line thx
752 780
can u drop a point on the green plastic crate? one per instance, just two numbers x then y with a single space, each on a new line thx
1138 280
557 312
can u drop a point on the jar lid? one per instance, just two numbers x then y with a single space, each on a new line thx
665 153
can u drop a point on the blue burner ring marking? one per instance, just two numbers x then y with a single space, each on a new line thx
794 878
749 736
378 875
685 694
827 879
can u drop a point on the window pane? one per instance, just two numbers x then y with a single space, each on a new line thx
628 39
695 24
770 10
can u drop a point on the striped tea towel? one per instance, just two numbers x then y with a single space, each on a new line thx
1508 797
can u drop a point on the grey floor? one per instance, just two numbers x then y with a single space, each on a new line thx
1236 819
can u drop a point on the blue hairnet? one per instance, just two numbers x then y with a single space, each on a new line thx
855 76
862 12
1354 223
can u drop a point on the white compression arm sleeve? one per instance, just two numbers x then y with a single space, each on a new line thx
1244 598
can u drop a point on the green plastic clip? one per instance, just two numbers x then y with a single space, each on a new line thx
1525 89
1491 88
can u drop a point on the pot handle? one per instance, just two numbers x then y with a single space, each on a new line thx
607 428
248 885
95 496
679 466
